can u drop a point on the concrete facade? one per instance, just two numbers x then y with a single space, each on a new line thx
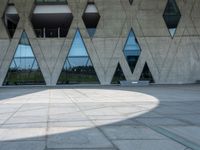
171 61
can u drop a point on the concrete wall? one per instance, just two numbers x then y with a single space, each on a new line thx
170 60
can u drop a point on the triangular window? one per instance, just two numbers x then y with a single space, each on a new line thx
24 68
118 76
78 68
146 74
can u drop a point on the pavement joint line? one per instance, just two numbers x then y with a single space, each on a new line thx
78 91
95 126
14 112
81 149
110 140
132 139
21 140
47 125
86 110
182 120
175 137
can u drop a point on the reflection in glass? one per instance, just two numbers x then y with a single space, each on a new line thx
146 74
172 16
24 69
78 68
132 50
118 76
172 31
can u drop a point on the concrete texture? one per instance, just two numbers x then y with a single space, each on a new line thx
100 118
170 60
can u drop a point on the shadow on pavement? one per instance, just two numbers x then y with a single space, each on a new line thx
102 118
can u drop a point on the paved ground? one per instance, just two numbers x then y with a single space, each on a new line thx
100 118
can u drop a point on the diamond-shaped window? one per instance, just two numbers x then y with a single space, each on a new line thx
51 20
91 18
172 16
11 19
132 50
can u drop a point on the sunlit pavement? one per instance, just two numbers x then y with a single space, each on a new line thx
100 118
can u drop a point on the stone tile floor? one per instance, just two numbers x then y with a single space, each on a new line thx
100 118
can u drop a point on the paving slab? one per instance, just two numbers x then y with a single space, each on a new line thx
129 132
159 121
23 145
191 133
22 134
76 138
148 145
159 117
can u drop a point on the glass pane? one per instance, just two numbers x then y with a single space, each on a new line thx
24 69
78 61
172 31
118 76
172 8
146 74
91 31
132 50
91 18
78 68
172 16
78 47
24 51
